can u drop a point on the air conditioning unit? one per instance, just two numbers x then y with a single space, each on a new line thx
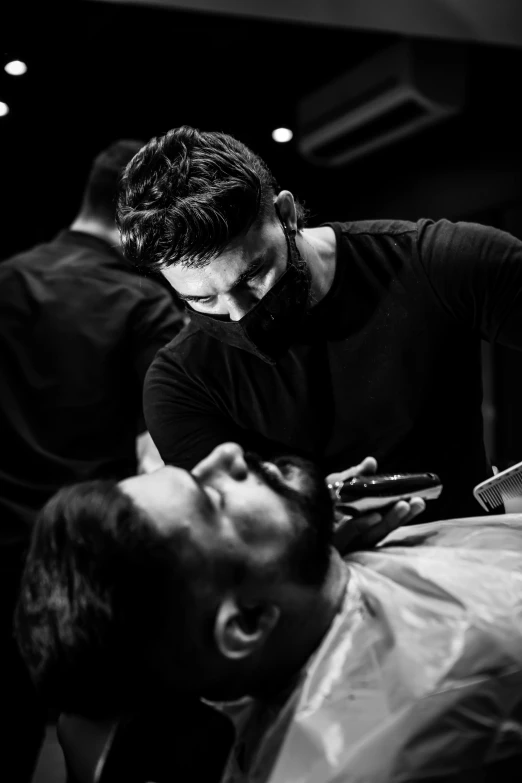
396 93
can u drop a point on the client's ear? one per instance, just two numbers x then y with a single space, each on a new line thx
239 631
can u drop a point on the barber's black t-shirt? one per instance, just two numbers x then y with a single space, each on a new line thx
78 330
388 365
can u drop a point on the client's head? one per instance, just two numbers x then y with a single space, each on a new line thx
190 581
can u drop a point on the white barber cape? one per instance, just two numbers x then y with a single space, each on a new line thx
420 674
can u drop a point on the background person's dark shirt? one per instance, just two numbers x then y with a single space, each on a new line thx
78 330
390 365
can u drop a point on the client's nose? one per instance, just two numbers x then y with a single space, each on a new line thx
227 458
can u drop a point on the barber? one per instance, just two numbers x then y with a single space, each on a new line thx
329 342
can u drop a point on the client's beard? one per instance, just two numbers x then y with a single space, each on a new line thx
308 556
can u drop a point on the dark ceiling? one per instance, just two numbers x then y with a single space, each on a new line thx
97 72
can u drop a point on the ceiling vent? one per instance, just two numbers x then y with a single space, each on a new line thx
396 93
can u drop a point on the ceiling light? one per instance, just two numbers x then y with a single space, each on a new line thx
4 109
15 68
282 135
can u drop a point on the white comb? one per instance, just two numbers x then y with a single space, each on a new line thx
503 488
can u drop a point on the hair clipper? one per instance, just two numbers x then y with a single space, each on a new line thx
364 494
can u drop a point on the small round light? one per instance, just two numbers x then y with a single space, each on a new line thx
15 68
282 135
4 109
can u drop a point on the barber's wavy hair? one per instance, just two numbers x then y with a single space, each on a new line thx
98 594
187 194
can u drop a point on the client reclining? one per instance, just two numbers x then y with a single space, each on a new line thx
399 663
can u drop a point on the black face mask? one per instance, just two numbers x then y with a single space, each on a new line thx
267 330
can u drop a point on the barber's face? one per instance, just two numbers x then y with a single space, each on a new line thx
237 507
232 283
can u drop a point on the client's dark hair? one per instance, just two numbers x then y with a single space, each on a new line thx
101 189
187 194
97 588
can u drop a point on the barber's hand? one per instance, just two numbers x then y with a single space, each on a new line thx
366 530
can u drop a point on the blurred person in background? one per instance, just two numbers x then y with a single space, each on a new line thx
399 663
78 329
331 342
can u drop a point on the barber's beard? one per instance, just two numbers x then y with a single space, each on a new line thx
308 555
303 283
